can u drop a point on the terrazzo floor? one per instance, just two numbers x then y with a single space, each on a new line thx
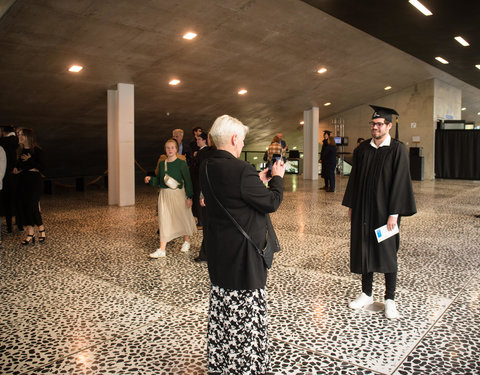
90 301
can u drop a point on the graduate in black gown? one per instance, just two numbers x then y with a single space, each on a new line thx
379 192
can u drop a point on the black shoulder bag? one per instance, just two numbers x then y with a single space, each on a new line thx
271 246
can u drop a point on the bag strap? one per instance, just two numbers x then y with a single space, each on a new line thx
245 234
165 166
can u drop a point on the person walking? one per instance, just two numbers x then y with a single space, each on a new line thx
379 192
175 217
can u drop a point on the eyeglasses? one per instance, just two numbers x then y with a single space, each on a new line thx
379 124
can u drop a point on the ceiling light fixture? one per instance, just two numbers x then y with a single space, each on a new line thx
422 8
189 36
441 59
477 66
388 88
464 108
242 92
321 70
174 82
75 68
327 104
462 41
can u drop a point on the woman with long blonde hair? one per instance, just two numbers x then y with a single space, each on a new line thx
28 167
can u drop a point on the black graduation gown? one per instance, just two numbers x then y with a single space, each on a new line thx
379 185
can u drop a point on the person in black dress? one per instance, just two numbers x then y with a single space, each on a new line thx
28 167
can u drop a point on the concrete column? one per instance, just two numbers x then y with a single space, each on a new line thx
310 144
121 147
112 122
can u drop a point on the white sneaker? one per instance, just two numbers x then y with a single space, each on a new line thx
391 311
157 254
362 301
185 247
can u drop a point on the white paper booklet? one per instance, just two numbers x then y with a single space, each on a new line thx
383 233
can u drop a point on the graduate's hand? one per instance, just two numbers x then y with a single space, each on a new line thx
202 202
391 222
189 202
147 179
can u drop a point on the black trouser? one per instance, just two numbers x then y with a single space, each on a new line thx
203 248
31 189
390 284
11 200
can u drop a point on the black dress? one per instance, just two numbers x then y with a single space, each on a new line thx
379 186
30 186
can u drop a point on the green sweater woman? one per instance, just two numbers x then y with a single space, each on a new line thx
175 217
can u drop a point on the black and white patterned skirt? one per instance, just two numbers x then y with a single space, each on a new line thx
237 332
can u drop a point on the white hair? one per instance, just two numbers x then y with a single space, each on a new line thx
224 128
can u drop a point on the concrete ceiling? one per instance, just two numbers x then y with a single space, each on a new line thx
272 48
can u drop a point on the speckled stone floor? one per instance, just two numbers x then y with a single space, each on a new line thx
90 301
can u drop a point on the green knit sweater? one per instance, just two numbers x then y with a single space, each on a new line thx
178 170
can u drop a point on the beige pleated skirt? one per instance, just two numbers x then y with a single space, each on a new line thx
175 219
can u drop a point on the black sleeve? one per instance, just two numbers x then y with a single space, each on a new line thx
255 193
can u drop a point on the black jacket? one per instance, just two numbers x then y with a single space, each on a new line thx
233 263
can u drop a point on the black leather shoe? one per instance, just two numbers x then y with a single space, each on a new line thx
200 260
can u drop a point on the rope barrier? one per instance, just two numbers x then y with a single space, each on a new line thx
95 179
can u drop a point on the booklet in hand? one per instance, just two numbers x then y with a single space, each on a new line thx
383 233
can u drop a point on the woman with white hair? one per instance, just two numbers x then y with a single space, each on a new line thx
237 325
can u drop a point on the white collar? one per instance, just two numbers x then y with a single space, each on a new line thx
386 142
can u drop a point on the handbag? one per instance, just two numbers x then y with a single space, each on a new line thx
271 246
170 181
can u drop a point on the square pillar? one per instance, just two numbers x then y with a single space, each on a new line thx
121 146
310 144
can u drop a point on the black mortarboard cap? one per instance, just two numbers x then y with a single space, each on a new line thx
327 132
383 112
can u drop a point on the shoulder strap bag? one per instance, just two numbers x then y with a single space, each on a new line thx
271 246
170 181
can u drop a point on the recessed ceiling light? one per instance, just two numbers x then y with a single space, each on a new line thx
464 108
327 104
441 59
422 8
174 82
242 92
75 68
189 36
462 41
477 66
302 122
478 113
322 70
388 88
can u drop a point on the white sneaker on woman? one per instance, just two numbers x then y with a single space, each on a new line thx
391 311
157 254
185 247
362 301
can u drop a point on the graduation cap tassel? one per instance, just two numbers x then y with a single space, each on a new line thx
396 128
